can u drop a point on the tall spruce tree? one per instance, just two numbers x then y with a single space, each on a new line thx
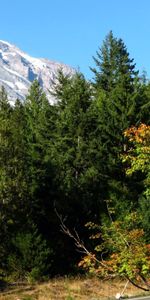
39 116
36 106
142 102
113 65
73 156
114 82
20 165
71 143
5 175
14 179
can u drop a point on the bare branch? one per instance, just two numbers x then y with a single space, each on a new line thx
138 286
78 242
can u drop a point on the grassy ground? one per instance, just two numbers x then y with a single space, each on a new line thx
69 289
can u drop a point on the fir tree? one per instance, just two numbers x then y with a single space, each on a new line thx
113 65
5 170
115 86
40 116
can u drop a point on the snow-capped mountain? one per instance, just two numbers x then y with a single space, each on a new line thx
18 70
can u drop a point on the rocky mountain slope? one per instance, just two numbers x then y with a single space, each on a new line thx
18 70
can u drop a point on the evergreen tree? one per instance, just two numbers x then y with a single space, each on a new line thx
115 86
37 133
40 127
142 102
5 169
113 65
14 196
25 176
73 157
72 140
20 194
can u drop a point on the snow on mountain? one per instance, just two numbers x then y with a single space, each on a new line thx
18 70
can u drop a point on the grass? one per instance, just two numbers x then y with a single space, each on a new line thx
70 289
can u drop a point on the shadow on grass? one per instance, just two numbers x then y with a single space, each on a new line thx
3 285
9 288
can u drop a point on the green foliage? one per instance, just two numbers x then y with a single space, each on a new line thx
30 258
113 65
138 160
123 244
39 116
28 298
115 85
67 157
121 250
70 297
5 157
72 145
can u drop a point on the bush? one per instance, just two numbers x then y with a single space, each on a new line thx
31 258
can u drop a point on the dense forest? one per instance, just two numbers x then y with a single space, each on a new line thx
80 167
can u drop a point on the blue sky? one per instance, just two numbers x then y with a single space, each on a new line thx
70 31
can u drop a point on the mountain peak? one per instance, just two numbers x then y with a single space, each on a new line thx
18 70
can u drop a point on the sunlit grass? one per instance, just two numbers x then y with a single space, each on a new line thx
69 289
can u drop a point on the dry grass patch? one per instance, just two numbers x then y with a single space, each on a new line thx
70 289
